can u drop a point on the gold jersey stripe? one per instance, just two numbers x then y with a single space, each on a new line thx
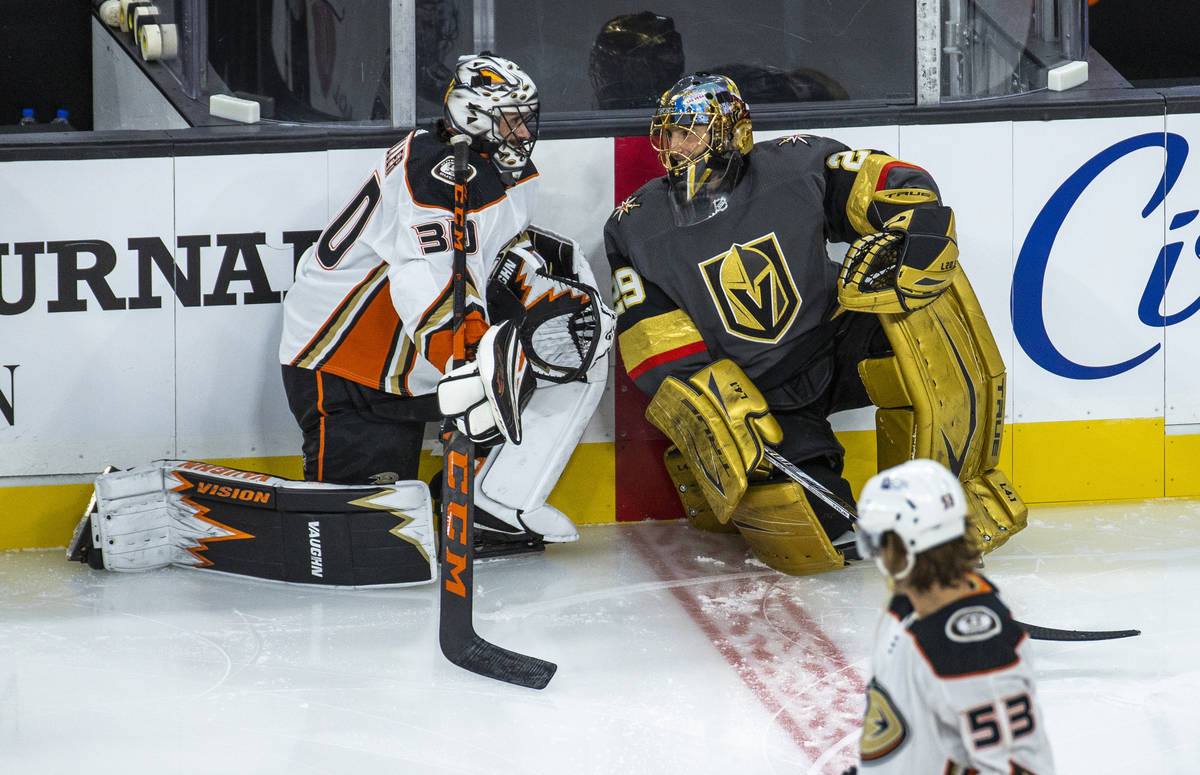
443 309
657 335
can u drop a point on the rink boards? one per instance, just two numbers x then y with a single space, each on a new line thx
139 304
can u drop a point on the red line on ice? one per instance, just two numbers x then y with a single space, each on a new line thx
779 664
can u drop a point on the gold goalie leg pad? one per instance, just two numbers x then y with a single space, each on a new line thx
778 523
699 514
995 512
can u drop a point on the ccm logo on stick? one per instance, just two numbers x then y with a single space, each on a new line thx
456 522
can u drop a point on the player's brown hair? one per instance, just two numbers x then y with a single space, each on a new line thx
945 565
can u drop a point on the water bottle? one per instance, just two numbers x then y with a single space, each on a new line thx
27 118
60 122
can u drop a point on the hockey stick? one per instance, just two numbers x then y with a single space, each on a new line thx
1053 633
456 630
811 485
820 491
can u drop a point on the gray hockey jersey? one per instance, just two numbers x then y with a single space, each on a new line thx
754 283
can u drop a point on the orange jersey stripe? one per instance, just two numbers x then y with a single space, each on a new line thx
363 355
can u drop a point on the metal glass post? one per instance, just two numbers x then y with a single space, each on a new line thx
403 63
929 52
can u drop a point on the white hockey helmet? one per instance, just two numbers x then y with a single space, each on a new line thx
496 103
918 500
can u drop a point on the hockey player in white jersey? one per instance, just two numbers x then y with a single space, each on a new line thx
952 691
367 326
365 349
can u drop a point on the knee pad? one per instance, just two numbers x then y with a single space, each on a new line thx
721 423
779 524
941 396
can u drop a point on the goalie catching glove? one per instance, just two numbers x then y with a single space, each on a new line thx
485 397
903 267
544 280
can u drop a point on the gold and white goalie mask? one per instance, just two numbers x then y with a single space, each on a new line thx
702 133
543 281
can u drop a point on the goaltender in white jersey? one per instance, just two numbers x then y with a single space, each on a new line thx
367 330
366 343
952 690
371 302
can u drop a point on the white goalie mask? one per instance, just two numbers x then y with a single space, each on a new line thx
918 500
496 103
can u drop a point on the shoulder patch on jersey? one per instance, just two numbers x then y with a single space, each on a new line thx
444 170
972 624
623 209
428 171
793 139
970 636
883 728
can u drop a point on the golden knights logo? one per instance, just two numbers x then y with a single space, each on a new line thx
752 287
792 140
623 209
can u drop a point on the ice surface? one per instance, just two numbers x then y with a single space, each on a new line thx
677 652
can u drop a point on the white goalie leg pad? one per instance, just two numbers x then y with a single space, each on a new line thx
184 513
516 480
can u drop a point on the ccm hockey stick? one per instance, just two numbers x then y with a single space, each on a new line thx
820 491
456 629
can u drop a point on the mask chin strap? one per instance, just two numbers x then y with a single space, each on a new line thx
910 561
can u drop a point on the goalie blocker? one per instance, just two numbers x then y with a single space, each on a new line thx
196 515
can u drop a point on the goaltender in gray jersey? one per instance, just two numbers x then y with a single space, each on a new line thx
747 336
759 286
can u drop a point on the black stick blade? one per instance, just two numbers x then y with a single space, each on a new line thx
1052 633
492 661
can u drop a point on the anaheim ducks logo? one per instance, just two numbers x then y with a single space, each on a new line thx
884 728
444 171
752 287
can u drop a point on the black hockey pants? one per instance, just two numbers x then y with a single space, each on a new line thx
354 434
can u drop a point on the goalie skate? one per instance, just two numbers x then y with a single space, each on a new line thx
497 537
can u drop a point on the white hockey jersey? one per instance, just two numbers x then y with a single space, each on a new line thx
953 694
373 301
